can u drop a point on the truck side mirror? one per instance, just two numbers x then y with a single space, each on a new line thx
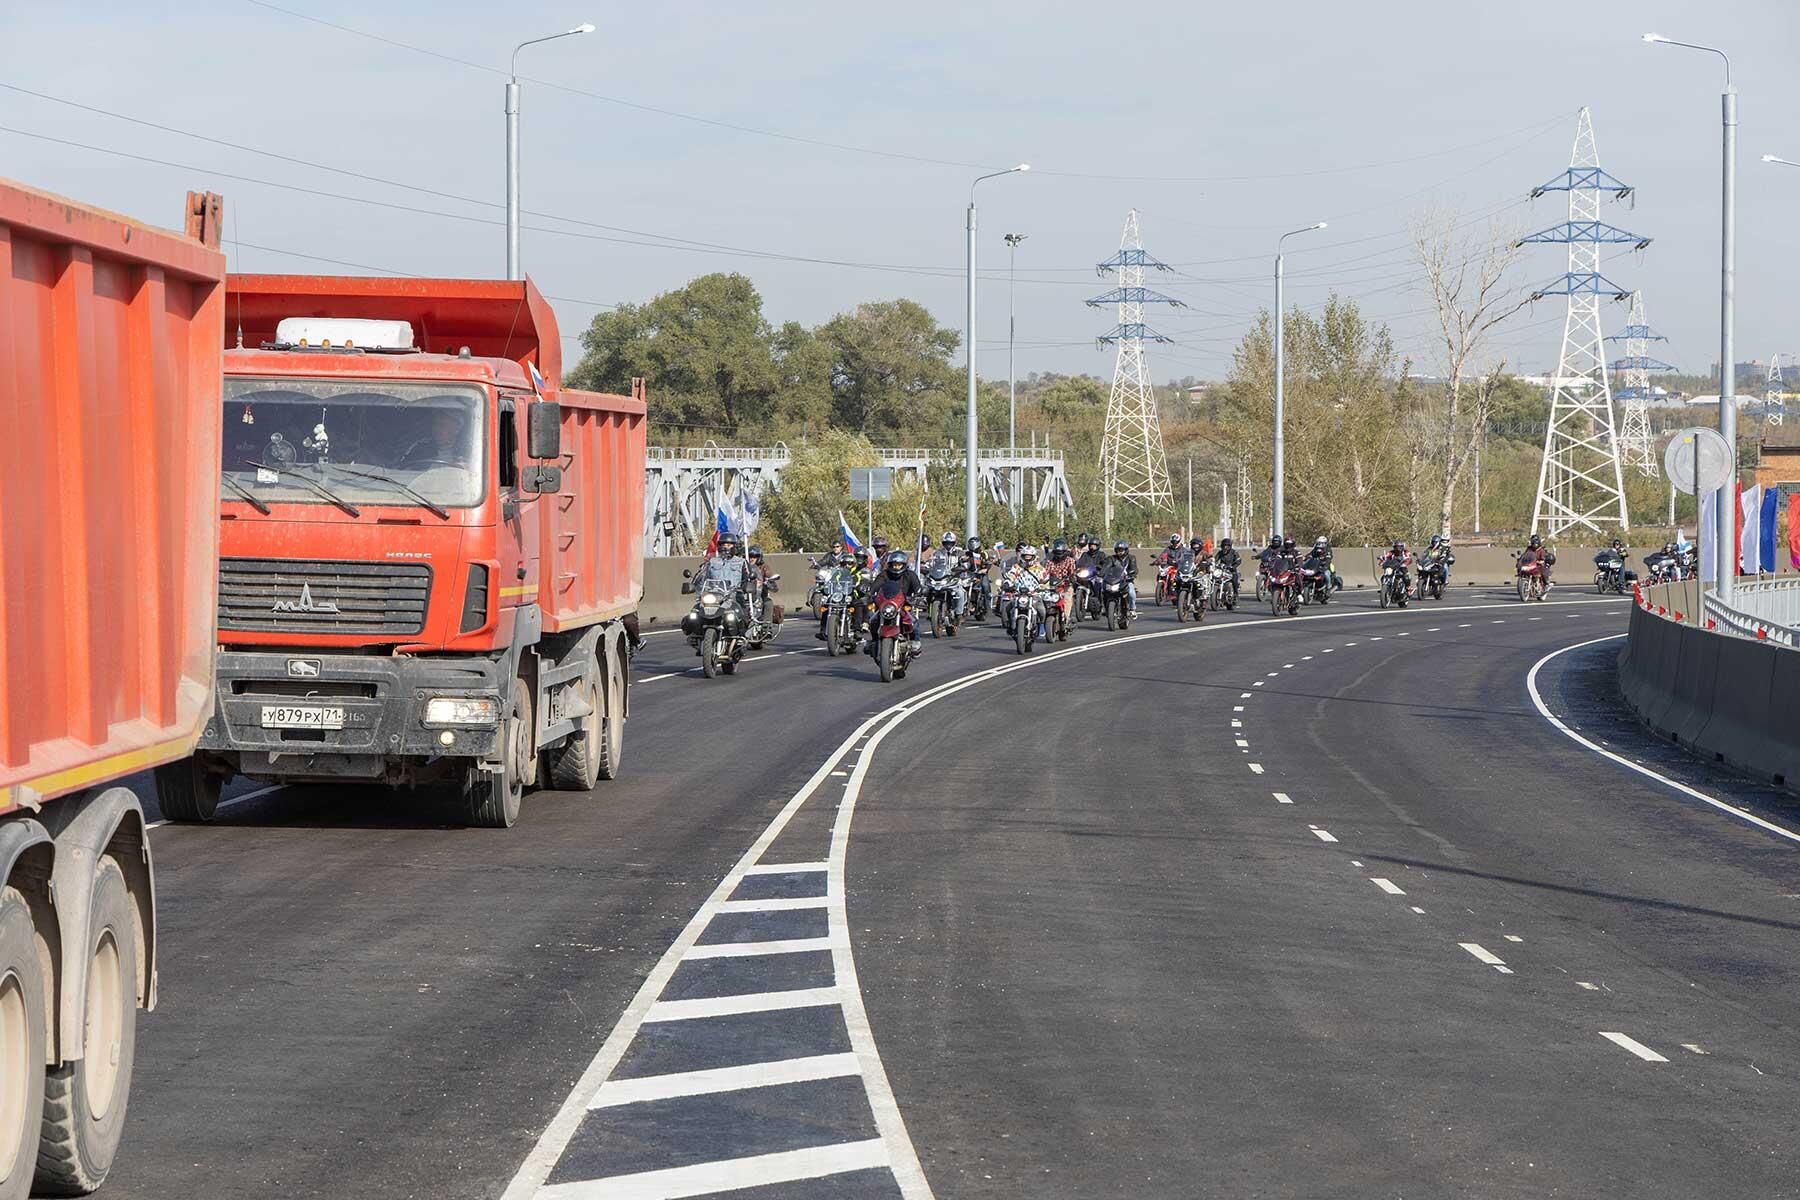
541 481
543 429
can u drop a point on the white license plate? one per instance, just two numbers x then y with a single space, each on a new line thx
302 716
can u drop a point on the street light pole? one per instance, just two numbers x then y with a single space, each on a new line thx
969 527
512 146
1278 488
1725 507
1012 382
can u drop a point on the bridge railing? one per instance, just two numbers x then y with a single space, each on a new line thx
1765 609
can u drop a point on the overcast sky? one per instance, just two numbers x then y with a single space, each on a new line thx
1223 124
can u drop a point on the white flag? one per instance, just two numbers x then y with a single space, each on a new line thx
1750 540
1706 532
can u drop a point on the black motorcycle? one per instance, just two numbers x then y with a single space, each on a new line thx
1395 587
1115 597
1434 574
1315 583
837 600
942 579
1611 574
981 595
1087 604
720 621
1190 590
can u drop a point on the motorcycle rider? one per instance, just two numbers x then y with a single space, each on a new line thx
1318 558
1123 558
1536 551
1024 568
897 580
1228 557
1437 553
1655 560
757 572
952 556
1060 571
848 560
1400 559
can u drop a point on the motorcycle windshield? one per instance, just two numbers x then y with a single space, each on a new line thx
721 574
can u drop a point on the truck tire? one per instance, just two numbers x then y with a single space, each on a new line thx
492 796
610 749
84 1100
571 765
186 791
22 1040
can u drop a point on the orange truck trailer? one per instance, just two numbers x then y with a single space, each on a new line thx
110 353
431 553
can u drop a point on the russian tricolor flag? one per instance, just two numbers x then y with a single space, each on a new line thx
1756 529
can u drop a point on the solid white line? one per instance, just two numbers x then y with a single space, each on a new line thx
1256 767
1387 885
747 1002
758 949
1283 798
792 868
616 1092
1632 1044
1485 955
1324 835
700 1179
773 904
1544 711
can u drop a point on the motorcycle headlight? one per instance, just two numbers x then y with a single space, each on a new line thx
710 599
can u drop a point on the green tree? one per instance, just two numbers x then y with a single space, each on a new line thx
890 368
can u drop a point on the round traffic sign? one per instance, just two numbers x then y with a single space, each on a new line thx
1697 460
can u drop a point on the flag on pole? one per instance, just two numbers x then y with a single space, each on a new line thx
847 536
1794 529
537 380
752 510
1705 531
721 526
1749 535
1766 548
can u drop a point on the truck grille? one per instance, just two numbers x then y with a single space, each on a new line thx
260 595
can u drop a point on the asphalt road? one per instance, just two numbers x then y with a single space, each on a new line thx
1075 943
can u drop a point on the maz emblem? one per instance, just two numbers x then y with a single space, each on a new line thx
306 604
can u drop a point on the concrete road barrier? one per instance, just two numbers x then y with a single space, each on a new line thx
1715 693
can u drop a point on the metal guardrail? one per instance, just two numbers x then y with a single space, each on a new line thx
1765 609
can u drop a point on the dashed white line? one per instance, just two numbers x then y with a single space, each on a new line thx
1586 986
1273 674
1258 683
1306 658
1435 629
1283 798
1242 744
1693 1048
1237 724
1243 695
615 1092
1513 937
1328 650
1324 835
1284 666
1632 1044
1388 886
1256 767
1237 708
1418 910
1485 955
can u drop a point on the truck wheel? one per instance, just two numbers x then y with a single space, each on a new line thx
573 766
609 751
22 1040
493 796
186 791
84 1100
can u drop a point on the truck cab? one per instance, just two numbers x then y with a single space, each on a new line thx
427 545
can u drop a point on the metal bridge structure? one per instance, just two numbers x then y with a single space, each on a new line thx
685 487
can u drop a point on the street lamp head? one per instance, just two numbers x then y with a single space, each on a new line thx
1023 167
1655 37
584 27
1320 225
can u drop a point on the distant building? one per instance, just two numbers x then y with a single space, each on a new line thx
1780 459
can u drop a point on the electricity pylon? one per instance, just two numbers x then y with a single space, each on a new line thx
1132 465
1775 391
1580 481
1635 445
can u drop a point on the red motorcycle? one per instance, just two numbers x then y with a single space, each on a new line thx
893 641
1529 577
1283 588
1165 582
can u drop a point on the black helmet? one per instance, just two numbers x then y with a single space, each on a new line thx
896 564
755 553
878 544
1121 547
974 544
1533 542
847 557
1196 542
1174 540
1437 539
1617 543
1274 539
1399 546
1224 543
1287 543
1059 549
727 543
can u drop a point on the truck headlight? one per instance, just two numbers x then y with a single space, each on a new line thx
462 710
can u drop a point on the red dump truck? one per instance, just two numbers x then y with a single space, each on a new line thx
110 357
430 550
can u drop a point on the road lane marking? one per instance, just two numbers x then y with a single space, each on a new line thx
1243 695
759 949
1328 650
1483 953
1356 862
1258 683
1632 1044
731 1174
773 904
788 868
1387 885
1237 724
1513 937
1375 639
1283 798
1324 835
1693 1048
746 1002
1418 910
1285 666
1273 674
1242 743
1435 629
1237 708
1256 767
616 1092
1586 986
1544 711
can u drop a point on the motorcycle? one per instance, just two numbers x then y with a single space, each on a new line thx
1115 598
1432 577
891 637
1666 570
1315 584
1190 591
981 595
837 599
1025 612
1394 585
762 630
1058 605
1223 590
717 625
1087 605
1165 583
1528 578
1611 574
941 583
1283 588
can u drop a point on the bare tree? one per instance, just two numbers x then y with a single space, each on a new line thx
1466 274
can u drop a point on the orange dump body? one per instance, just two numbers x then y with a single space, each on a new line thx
110 348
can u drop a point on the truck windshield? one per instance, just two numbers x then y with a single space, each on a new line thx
425 436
